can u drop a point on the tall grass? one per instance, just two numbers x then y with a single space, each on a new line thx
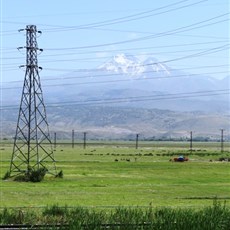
215 217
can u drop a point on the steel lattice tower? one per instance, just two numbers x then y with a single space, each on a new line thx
32 143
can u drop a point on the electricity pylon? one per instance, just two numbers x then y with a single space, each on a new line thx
32 148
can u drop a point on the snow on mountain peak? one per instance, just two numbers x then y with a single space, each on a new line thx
123 64
154 65
132 65
124 59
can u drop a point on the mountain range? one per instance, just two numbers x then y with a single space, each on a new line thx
123 95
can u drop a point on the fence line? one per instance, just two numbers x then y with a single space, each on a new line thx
136 144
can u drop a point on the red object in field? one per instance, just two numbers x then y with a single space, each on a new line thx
180 159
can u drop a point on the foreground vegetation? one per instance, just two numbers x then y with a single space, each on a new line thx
214 217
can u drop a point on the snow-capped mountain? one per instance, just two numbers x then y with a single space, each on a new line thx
153 65
127 95
123 64
150 74
134 66
136 82
147 76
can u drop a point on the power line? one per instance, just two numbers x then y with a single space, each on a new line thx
111 21
127 49
96 58
145 72
113 81
129 18
207 51
134 99
140 48
157 35
123 80
85 71
155 97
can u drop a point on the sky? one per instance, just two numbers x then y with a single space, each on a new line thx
190 35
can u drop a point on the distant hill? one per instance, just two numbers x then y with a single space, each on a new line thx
123 123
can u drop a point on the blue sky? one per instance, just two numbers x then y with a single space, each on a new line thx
193 34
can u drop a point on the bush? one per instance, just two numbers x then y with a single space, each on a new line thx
37 175
33 175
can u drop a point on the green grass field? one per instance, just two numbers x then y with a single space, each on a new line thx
117 175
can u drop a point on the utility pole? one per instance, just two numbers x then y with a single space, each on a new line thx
72 138
190 142
222 141
137 136
84 140
32 144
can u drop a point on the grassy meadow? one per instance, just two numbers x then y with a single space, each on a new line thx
116 174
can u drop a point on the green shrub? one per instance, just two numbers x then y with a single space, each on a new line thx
55 210
215 217
9 216
32 175
37 175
